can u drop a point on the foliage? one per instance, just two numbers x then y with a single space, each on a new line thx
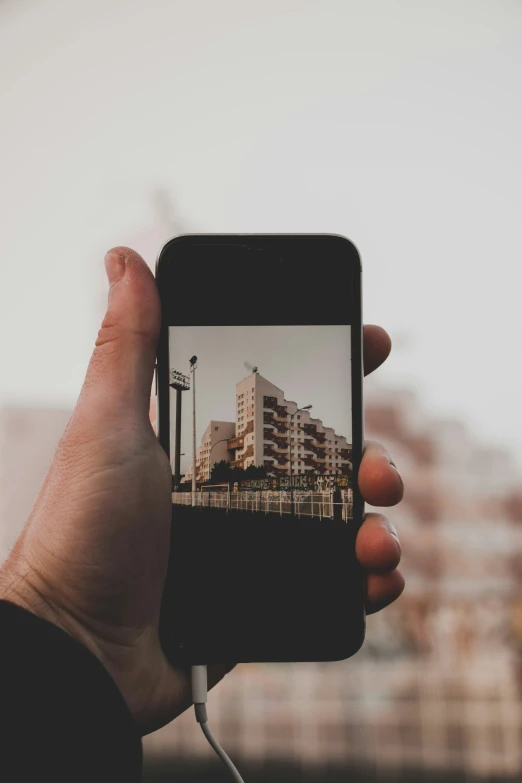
224 473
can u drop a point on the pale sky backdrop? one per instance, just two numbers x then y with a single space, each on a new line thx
395 124
310 364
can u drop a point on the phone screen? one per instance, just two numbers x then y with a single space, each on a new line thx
264 443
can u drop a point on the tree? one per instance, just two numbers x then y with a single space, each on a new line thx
224 473
221 472
256 472
237 474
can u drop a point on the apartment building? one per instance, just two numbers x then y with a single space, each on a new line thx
267 430
213 448
271 431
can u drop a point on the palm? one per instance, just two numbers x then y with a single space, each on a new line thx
104 566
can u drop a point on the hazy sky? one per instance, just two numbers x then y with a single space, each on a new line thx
396 124
311 364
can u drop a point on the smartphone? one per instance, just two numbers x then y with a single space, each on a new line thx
259 391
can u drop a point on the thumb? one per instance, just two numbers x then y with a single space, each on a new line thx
119 378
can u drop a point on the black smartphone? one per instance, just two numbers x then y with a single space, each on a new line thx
259 389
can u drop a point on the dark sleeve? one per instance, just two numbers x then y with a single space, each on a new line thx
62 716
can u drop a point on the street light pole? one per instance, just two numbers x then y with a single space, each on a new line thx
180 383
193 365
177 450
290 457
305 408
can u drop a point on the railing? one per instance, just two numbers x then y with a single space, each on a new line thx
306 504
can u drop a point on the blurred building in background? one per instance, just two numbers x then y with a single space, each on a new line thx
28 438
436 687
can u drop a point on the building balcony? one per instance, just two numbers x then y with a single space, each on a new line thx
236 463
313 450
235 443
281 441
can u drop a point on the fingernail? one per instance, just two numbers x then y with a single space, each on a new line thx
393 532
115 267
394 466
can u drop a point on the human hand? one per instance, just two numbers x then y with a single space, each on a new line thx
93 555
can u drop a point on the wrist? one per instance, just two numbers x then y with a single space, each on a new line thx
133 659
15 590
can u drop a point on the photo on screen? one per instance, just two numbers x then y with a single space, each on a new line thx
261 419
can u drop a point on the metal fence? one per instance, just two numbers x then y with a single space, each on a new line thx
305 504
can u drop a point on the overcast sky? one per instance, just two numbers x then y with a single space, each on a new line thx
310 364
396 124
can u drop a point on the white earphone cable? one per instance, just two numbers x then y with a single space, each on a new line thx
199 698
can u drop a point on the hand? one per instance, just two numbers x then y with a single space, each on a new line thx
93 554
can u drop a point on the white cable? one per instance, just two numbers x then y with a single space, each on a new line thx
199 699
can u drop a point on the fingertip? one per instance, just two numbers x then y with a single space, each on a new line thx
125 252
377 346
379 481
383 589
377 545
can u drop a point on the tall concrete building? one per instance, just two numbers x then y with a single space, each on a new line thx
271 430
214 448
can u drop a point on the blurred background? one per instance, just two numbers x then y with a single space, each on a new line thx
397 124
